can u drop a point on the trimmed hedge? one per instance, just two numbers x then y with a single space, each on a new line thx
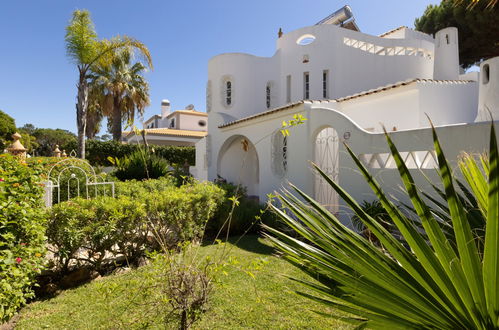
22 228
89 231
97 152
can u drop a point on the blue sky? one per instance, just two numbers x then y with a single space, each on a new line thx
38 81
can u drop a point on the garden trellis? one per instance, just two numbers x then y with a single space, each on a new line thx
74 177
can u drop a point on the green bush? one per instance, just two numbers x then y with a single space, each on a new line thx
181 214
22 239
103 226
140 165
86 231
134 188
97 152
244 217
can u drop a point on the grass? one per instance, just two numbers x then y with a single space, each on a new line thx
240 301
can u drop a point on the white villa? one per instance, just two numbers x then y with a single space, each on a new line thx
178 128
348 85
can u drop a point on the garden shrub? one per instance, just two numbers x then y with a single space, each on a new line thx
140 165
246 216
135 188
89 231
180 214
22 239
102 226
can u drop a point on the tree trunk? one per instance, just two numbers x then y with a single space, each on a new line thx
116 119
81 113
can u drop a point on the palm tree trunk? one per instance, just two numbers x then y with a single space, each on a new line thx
116 119
81 113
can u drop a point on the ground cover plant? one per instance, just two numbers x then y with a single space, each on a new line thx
240 301
22 232
437 283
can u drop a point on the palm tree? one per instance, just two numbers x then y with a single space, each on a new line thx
94 113
85 50
121 89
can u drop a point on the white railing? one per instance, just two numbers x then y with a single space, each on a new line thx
412 159
387 51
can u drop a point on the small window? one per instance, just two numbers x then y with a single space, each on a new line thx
279 156
202 123
288 88
325 78
172 123
306 85
485 74
228 92
447 38
267 95
285 154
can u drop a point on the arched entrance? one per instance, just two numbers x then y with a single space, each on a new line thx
326 156
238 163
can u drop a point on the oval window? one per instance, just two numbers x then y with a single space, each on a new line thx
202 123
305 39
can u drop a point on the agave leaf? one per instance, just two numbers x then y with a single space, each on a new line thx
476 179
491 254
403 290
469 258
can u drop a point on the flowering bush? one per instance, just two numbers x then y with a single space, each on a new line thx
22 219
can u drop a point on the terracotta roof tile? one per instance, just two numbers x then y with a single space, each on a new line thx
171 132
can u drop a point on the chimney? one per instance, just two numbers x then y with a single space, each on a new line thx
165 108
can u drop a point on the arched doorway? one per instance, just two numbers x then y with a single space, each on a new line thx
238 163
326 156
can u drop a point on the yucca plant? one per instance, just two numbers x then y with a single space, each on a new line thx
435 283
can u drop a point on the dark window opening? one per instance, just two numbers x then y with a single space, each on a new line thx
325 75
228 94
486 74
267 96
306 86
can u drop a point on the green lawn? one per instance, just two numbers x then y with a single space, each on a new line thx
239 301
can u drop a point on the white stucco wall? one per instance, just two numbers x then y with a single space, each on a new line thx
200 170
488 103
354 66
166 140
447 104
397 108
455 139
240 164
191 122
351 68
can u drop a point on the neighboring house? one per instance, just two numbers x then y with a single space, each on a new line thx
178 128
348 85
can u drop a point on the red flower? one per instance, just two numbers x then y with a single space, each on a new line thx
2 179
18 260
